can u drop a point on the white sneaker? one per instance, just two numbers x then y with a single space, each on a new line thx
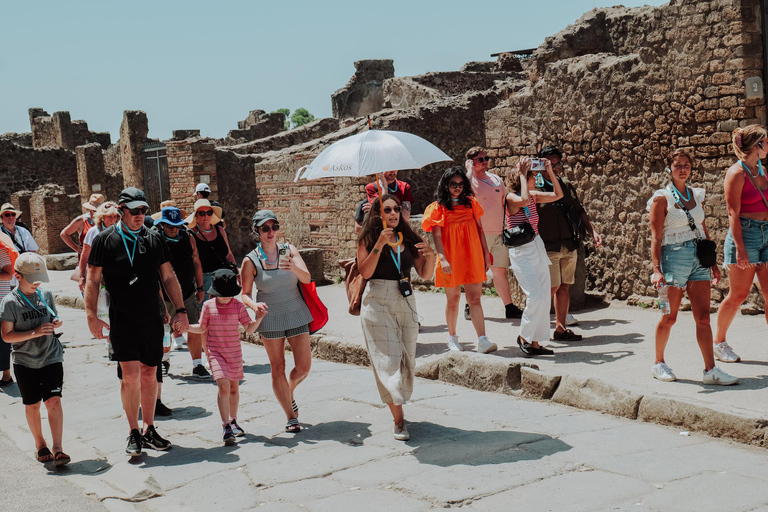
484 345
724 353
570 320
719 377
663 372
453 343
179 343
400 432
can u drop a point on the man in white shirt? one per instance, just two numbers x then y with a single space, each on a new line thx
21 237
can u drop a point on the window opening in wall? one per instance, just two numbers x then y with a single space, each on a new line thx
157 185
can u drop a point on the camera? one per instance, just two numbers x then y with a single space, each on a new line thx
537 164
405 287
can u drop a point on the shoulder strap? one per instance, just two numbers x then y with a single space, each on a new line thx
19 245
754 184
679 201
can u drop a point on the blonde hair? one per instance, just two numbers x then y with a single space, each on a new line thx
105 210
745 139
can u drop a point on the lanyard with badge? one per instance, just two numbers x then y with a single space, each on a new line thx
134 237
53 314
404 285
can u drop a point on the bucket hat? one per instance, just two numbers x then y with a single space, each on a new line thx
224 284
170 215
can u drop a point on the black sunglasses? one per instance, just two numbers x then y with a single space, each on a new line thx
203 213
456 184
10 215
483 159
266 229
141 210
388 209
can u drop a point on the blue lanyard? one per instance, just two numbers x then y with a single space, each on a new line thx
54 315
540 180
131 254
688 192
263 255
759 168
397 261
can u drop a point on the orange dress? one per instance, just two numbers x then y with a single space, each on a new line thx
461 242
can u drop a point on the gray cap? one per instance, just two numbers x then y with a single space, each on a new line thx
262 216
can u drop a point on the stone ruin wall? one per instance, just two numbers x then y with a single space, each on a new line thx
616 92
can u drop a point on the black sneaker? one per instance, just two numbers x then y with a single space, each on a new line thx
229 436
166 366
134 443
466 312
161 409
151 439
239 432
8 382
513 311
201 373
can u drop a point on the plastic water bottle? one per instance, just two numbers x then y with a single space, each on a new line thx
664 301
166 338
179 341
102 307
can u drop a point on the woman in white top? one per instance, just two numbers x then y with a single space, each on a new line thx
106 215
676 264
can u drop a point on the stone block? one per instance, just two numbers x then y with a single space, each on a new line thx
91 177
597 395
363 93
314 260
480 372
535 384
133 133
62 261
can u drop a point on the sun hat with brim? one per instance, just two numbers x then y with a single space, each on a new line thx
132 197
262 216
32 266
224 284
8 207
170 215
94 202
204 203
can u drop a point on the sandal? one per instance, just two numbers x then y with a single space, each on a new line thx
293 426
295 407
61 459
44 455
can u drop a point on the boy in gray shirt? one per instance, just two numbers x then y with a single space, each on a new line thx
28 318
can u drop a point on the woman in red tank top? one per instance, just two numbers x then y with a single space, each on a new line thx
746 245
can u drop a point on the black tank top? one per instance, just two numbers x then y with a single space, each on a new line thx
183 264
386 268
213 253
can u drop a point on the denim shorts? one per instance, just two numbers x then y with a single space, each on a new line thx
754 233
680 264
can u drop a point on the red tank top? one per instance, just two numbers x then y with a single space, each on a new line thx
751 199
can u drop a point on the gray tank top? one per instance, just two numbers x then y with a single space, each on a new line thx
279 290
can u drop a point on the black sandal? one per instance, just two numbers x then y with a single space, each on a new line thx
61 459
43 455
293 427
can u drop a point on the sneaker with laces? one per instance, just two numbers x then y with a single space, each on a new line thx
663 373
135 443
724 353
453 343
400 432
200 372
570 320
239 432
484 345
467 316
166 367
151 439
718 377
229 436
179 342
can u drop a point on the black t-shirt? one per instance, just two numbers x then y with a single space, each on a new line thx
182 262
133 288
386 267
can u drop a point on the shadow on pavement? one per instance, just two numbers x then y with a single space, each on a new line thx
188 412
12 390
257 369
427 329
588 325
180 456
351 433
758 382
475 447
80 467
594 341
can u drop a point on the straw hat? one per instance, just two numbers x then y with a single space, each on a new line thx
165 204
8 207
94 202
203 203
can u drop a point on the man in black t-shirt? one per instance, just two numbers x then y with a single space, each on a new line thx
133 260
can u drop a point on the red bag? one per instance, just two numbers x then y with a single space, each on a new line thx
315 305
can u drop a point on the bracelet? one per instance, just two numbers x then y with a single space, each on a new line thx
200 289
181 310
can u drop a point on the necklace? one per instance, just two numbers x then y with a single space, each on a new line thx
687 192
263 256
391 191
205 230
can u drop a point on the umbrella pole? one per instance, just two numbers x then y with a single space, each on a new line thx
381 181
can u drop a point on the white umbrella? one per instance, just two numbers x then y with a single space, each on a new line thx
372 152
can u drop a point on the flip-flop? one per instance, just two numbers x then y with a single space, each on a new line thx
293 426
61 459
43 454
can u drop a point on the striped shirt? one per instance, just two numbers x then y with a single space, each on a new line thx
223 337
520 217
5 260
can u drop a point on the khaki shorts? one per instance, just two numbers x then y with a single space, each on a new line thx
563 267
193 310
499 251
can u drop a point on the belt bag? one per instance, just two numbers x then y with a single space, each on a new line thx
706 250
518 235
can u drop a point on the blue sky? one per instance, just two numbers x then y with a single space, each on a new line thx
196 64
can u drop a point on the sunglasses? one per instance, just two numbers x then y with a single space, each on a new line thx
483 159
203 213
388 209
266 229
9 215
456 184
141 210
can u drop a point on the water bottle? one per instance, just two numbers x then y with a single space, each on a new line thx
102 307
664 301
179 341
166 338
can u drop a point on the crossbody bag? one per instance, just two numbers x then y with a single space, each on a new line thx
706 250
518 235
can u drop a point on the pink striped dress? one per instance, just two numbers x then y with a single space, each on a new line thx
223 337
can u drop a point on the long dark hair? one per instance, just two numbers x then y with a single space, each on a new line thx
372 226
443 194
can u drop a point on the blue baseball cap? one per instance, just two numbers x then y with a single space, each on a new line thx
172 216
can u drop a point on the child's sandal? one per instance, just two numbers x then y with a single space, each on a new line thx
61 459
293 426
44 455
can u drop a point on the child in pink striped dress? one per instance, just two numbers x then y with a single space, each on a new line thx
221 341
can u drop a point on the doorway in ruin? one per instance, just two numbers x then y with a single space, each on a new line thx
157 185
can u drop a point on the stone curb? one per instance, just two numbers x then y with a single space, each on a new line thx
481 373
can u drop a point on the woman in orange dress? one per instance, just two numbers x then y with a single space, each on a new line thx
454 220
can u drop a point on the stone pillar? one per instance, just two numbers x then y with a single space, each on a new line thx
62 129
20 201
133 133
49 207
91 177
189 162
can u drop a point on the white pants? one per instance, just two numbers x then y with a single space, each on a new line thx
530 264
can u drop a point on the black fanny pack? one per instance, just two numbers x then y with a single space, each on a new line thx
518 235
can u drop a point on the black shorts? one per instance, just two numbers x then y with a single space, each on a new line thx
158 374
37 384
140 340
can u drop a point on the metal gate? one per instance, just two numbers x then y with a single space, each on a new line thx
157 185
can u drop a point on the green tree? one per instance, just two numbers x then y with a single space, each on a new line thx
300 117
287 113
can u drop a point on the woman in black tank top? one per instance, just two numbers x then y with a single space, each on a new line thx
212 243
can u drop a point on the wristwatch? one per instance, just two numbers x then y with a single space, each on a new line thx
200 289
181 310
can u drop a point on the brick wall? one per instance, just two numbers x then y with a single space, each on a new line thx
25 168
